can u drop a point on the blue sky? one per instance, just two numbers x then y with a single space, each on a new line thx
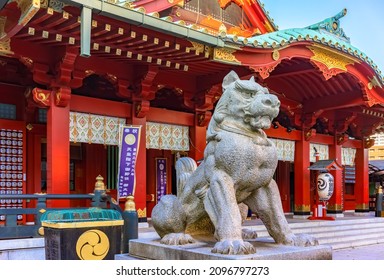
363 24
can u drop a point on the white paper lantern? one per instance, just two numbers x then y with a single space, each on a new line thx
325 186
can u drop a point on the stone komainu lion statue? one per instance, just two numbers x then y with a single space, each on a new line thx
239 163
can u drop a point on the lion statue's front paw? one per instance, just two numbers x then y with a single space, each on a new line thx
233 247
177 239
302 240
248 233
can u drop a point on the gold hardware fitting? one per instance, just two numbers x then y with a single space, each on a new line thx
99 185
130 204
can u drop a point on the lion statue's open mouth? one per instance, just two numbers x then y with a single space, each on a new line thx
260 122
238 168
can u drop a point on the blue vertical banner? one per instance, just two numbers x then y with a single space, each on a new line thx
129 141
161 177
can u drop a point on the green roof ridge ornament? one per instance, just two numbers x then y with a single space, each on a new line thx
331 25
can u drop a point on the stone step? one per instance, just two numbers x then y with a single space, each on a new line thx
351 237
342 243
326 226
333 230
338 234
356 243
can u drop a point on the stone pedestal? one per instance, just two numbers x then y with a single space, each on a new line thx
150 248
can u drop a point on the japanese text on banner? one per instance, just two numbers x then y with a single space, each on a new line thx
161 177
128 150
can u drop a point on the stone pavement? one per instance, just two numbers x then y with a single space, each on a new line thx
370 252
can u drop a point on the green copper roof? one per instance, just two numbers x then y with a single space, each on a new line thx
326 32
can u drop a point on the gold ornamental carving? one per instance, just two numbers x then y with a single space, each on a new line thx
41 97
5 47
28 9
276 55
335 207
44 4
368 143
3 20
373 82
302 208
362 206
142 213
197 47
62 96
333 62
225 55
265 70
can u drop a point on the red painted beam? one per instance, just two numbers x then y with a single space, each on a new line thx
100 107
170 117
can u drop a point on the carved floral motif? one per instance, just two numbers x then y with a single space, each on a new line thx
265 70
28 9
329 62
226 55
41 97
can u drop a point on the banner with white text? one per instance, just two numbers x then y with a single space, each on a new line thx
161 178
128 151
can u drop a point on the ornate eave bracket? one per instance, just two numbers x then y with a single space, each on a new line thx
265 70
226 55
123 89
225 3
328 62
373 83
42 97
341 139
206 99
342 125
62 96
148 89
309 134
65 67
141 108
203 118
368 143
370 91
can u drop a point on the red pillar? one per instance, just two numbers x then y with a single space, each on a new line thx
58 152
362 181
335 204
141 166
198 136
283 182
302 179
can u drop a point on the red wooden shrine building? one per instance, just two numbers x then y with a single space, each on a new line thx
71 72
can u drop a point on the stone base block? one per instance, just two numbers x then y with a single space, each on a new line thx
151 248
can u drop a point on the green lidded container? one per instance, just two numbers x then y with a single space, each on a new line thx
82 234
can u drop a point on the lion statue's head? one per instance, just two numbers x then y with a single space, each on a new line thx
244 106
